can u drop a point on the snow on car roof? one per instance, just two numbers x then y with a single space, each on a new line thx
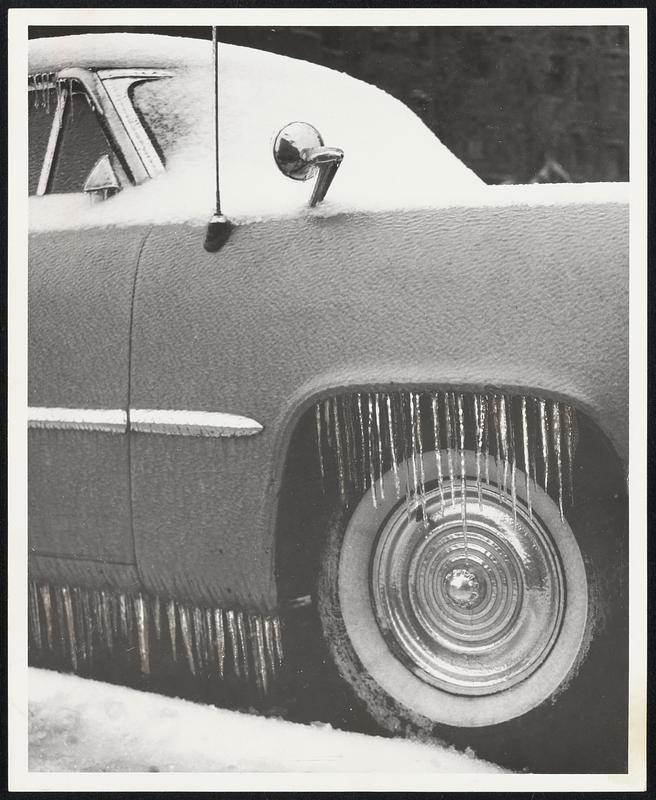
392 160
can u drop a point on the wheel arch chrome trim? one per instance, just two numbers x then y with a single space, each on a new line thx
171 422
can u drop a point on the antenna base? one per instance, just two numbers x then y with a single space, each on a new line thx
218 232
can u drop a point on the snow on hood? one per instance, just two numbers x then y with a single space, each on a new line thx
392 160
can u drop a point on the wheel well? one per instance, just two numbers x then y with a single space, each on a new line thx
307 498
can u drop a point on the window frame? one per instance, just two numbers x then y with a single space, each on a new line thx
108 94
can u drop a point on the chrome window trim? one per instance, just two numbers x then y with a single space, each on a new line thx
53 139
117 83
171 422
118 134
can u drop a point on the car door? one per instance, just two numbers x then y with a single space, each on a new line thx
80 294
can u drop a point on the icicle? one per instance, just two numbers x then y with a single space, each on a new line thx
362 442
33 613
269 646
277 640
35 623
219 640
88 623
328 418
46 602
371 450
83 635
108 623
569 447
406 456
317 410
420 449
555 426
527 462
78 624
338 450
257 640
513 466
485 409
533 426
99 622
185 630
123 615
463 475
142 634
449 443
70 625
379 435
545 443
48 90
157 620
173 628
199 637
61 620
71 99
243 644
351 482
231 625
208 636
438 453
497 441
503 422
413 444
392 441
479 413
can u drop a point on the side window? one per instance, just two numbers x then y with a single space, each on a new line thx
174 112
41 105
82 142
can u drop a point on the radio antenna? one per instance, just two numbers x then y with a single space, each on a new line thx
219 227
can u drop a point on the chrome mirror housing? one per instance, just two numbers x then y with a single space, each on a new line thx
102 182
300 154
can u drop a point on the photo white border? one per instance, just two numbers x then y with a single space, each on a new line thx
19 777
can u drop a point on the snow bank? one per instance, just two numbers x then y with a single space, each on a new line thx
79 725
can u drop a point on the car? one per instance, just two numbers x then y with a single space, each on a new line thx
387 392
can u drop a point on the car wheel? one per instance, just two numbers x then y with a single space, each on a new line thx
470 622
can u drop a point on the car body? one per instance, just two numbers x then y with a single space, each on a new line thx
167 385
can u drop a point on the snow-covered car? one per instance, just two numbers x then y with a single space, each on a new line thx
406 404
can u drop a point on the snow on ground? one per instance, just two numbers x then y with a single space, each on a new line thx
80 725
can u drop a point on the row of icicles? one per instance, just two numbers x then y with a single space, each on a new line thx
46 90
361 436
42 85
83 627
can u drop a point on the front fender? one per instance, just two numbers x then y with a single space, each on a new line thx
533 298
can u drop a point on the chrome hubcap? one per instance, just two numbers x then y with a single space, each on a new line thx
472 603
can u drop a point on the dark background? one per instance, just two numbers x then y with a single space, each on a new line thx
514 103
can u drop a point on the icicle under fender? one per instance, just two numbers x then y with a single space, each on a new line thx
91 629
384 431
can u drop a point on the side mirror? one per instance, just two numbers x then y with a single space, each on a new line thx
300 154
102 182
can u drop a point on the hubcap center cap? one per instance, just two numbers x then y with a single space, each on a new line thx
462 587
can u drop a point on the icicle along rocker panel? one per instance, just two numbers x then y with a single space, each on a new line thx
151 641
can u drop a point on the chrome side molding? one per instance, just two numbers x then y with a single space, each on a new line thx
192 423
142 420
109 420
